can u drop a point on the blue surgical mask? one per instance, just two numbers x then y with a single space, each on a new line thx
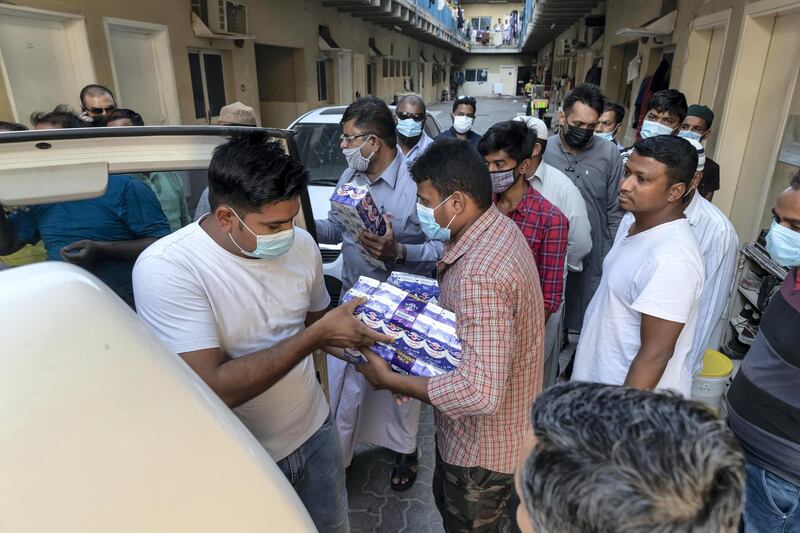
606 135
783 245
267 246
408 127
689 134
432 230
651 128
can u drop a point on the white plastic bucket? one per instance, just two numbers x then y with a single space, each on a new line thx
710 384
709 390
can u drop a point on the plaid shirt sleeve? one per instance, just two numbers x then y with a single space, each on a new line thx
550 260
486 329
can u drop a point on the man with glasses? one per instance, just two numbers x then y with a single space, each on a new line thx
369 143
463 115
410 115
97 102
596 168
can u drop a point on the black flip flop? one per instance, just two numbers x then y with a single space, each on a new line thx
405 465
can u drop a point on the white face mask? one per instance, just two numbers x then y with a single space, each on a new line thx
463 124
355 159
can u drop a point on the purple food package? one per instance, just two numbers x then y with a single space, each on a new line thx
354 204
422 288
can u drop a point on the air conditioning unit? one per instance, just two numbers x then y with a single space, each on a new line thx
222 16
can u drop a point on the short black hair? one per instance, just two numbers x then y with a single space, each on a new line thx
670 100
121 112
371 114
12 126
454 165
619 111
94 89
511 136
678 154
465 100
61 116
587 94
795 183
250 171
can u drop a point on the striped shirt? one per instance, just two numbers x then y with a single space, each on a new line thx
488 278
763 401
719 245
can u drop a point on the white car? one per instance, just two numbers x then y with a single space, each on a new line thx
319 149
102 427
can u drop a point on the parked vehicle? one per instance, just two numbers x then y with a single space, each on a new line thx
319 149
103 428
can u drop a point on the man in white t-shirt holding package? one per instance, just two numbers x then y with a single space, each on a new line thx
240 296
640 324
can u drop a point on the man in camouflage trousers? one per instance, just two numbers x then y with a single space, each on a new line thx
487 276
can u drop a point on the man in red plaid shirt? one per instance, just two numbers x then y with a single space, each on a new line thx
509 149
488 278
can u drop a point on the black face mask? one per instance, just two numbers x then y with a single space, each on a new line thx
411 142
577 137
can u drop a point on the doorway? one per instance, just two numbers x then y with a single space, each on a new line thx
761 96
44 59
508 77
523 75
281 83
141 64
700 72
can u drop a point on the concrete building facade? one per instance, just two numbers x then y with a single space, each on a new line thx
163 60
739 57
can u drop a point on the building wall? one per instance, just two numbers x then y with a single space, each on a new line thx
491 10
720 61
493 63
273 23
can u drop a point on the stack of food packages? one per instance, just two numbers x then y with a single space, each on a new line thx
425 341
357 212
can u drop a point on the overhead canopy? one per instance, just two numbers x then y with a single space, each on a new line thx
373 48
200 29
550 18
422 56
326 41
663 26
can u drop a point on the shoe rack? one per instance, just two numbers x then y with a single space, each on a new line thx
753 268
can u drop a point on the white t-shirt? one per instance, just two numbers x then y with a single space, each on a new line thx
658 272
196 295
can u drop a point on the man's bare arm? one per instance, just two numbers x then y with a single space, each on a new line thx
658 338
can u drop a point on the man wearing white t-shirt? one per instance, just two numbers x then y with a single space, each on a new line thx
240 296
639 326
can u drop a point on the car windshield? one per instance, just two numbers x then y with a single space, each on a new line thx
320 152
318 145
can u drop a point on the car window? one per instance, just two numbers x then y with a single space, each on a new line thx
320 153
431 128
179 193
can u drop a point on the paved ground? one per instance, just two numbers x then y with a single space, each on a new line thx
374 507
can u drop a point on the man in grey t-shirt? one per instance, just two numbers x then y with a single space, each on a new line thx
595 167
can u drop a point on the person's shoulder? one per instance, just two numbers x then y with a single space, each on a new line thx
175 246
305 241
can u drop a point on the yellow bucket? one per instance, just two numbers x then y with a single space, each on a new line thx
716 365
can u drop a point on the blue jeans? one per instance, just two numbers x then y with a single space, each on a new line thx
316 472
771 503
